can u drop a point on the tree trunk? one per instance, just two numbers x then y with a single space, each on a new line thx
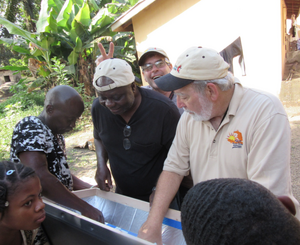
29 12
10 14
86 73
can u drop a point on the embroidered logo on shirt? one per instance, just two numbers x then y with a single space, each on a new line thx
236 139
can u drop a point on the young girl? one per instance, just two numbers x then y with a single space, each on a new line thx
21 207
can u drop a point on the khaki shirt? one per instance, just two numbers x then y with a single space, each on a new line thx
253 142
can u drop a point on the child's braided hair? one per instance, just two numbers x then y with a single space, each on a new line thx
11 174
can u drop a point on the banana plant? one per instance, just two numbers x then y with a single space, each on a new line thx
70 31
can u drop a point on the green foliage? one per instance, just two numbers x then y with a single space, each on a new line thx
70 30
13 110
22 97
16 62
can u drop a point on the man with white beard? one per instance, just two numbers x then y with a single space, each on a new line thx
226 131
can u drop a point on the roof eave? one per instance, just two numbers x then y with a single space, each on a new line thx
124 22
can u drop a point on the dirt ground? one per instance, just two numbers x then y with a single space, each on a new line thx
295 150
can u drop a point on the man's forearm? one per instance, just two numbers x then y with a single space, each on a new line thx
78 184
100 153
56 191
166 188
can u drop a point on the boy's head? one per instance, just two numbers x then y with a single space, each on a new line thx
236 212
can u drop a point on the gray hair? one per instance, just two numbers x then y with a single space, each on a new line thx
224 83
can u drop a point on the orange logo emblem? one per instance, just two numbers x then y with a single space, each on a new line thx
236 139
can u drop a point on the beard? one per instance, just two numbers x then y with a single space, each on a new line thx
206 110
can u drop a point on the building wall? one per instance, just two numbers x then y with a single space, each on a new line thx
178 25
8 75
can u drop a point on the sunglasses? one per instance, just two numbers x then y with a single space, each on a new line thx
158 64
126 141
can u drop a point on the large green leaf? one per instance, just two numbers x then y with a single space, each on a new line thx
56 5
78 45
42 22
73 57
52 22
94 4
83 15
97 17
36 52
63 37
112 8
96 41
70 69
102 19
14 68
64 15
79 2
6 40
21 50
16 30
46 42
78 30
133 2
43 72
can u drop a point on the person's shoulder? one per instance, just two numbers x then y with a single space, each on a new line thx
258 92
29 121
158 100
265 100
155 97
96 104
95 101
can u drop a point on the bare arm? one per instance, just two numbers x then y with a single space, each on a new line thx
54 189
103 175
78 184
167 186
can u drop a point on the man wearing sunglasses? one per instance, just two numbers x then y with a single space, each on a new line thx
155 64
133 129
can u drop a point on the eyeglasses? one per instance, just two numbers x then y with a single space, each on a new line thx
158 64
126 141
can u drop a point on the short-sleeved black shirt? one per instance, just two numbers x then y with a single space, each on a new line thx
153 128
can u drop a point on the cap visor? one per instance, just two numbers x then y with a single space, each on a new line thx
169 82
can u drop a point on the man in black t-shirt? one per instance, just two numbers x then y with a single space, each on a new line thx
133 128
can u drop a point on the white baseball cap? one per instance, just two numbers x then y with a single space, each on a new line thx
196 63
151 50
117 70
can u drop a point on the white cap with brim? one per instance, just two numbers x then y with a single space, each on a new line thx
151 50
195 63
117 70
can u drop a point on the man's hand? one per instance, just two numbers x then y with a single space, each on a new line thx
103 178
93 213
151 232
103 55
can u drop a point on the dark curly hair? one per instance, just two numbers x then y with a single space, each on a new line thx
11 174
236 212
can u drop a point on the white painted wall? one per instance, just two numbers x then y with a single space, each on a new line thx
217 23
